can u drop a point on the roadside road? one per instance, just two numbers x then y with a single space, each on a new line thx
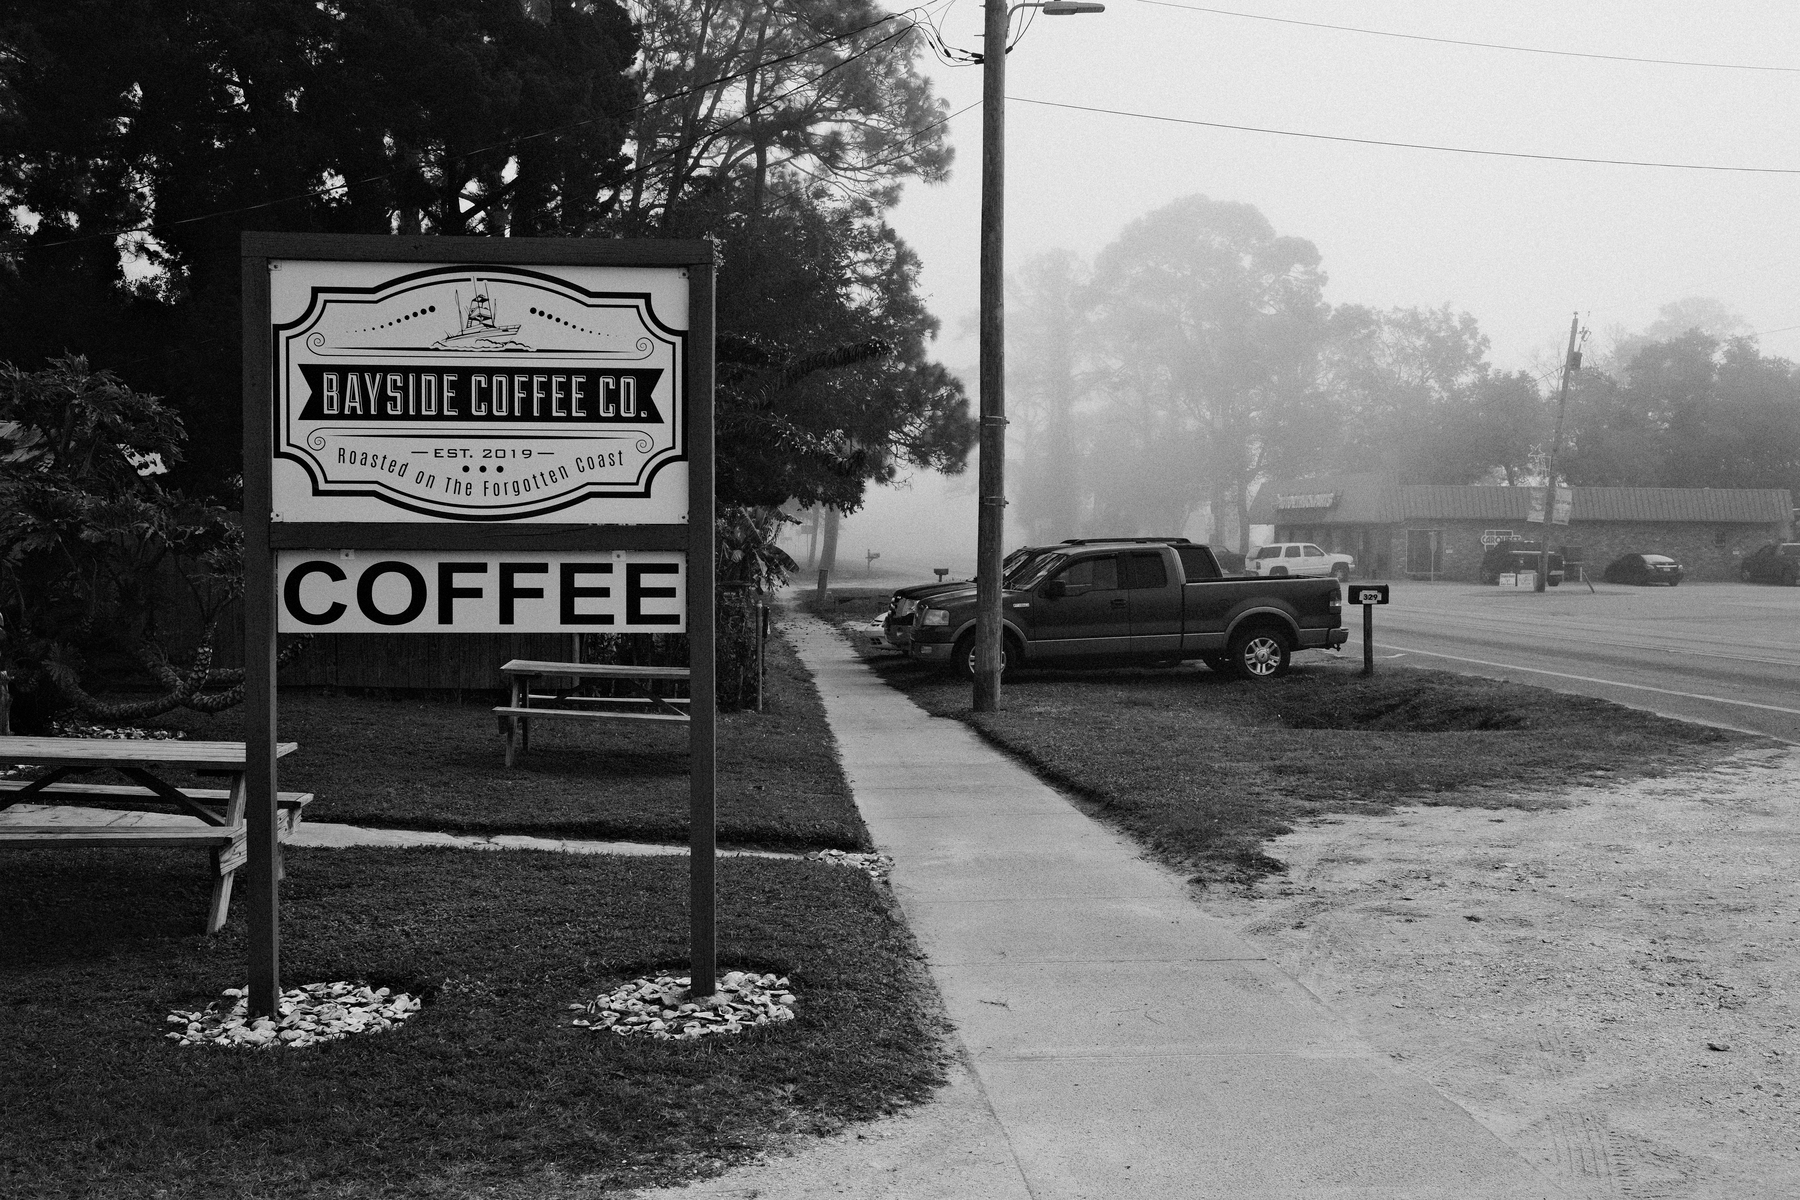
1719 653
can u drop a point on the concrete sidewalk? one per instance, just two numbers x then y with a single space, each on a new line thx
1117 1042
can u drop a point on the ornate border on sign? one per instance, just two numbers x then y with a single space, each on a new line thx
482 344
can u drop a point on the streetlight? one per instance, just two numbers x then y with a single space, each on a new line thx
990 526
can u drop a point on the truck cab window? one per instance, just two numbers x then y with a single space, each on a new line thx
1091 574
1196 563
1145 571
1293 552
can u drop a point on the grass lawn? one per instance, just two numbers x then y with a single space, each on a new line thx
489 1090
436 764
1205 768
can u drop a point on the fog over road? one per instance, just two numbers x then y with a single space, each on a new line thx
1723 653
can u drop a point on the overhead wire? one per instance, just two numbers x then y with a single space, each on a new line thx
1364 141
942 50
1419 37
1024 28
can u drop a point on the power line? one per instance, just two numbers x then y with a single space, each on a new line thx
1419 37
1361 141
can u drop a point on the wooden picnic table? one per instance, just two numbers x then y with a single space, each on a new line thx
74 821
561 702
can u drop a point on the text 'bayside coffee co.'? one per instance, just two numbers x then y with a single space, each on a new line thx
490 393
477 395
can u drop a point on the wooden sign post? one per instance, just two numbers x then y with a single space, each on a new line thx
1368 595
458 434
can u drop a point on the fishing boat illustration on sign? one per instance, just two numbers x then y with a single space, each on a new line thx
481 329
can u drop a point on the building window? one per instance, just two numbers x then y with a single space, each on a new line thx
1721 536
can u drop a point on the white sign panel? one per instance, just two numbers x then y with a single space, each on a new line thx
449 591
479 393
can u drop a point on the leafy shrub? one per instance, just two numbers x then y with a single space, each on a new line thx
90 536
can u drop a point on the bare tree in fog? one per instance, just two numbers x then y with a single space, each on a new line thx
1211 326
1690 313
1419 400
1047 330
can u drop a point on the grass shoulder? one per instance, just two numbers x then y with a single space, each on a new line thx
1205 769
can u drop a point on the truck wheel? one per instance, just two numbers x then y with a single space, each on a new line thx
962 660
1278 572
1341 573
1260 653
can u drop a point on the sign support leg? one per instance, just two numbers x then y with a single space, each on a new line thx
703 709
263 904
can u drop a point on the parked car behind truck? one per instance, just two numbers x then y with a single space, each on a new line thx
1100 603
1299 558
1777 562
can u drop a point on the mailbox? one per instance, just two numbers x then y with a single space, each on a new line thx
1369 593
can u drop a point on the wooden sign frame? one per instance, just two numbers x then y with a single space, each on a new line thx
264 535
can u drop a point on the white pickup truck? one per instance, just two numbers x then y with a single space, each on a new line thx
1298 558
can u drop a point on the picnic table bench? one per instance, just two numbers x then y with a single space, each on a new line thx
216 815
564 702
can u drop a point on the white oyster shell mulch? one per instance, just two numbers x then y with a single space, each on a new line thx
128 733
877 865
661 1008
84 730
316 1012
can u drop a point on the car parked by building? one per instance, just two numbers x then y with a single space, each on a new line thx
1643 569
1777 562
1510 558
1298 558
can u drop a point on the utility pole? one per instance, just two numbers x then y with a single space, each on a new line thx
1562 406
990 521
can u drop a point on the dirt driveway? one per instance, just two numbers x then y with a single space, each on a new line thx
1613 986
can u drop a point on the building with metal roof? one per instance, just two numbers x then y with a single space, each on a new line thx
1437 531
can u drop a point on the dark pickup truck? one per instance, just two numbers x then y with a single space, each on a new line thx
1153 601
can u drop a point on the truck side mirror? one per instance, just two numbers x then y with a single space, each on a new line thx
1056 589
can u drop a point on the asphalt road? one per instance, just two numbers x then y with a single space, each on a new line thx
1722 653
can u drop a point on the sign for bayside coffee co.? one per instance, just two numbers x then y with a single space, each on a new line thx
488 392
450 435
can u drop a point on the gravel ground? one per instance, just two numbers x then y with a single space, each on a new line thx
1612 986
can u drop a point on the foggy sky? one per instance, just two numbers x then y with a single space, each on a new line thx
1520 244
